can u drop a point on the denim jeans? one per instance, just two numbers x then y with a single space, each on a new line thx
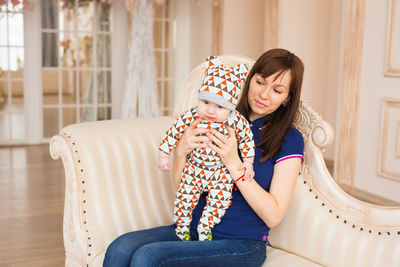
161 247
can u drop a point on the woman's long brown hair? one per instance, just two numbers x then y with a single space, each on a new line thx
277 124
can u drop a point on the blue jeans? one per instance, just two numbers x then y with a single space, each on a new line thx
161 247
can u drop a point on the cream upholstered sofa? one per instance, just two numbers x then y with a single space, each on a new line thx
113 186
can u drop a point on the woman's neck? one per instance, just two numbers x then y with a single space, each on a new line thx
254 116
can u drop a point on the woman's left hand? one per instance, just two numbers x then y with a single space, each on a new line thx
226 146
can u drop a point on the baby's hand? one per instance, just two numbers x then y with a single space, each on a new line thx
163 161
248 168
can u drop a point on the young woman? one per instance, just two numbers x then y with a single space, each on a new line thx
270 100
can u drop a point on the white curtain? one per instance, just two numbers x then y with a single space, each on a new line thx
140 98
49 40
103 58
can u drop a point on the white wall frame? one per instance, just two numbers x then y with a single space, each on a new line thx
119 50
392 62
181 35
32 75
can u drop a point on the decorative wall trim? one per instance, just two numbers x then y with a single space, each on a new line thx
345 163
389 150
397 156
216 27
271 24
392 61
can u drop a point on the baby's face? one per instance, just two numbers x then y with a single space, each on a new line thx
212 112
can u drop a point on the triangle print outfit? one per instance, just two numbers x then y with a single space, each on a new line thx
204 171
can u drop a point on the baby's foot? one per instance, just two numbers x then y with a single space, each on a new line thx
184 235
205 236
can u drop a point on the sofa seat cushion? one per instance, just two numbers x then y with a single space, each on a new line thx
280 258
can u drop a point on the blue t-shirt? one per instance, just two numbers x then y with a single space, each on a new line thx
240 221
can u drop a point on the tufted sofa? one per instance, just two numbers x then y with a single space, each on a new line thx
113 186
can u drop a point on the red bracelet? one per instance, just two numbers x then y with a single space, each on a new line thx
239 178
236 181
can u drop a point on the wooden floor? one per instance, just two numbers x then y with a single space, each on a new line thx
31 207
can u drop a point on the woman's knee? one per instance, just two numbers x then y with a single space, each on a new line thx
147 255
119 252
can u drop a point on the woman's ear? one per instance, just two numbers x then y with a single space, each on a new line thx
284 103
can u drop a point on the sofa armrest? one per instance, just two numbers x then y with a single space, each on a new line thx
326 225
112 183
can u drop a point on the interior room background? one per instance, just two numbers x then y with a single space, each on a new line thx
67 65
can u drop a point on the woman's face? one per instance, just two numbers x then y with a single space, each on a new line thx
266 95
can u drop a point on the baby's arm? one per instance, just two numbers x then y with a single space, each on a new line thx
163 161
248 168
246 144
172 137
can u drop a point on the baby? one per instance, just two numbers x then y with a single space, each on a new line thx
204 171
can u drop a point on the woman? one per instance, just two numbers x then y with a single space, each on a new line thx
270 100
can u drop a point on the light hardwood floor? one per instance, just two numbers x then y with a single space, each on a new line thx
31 207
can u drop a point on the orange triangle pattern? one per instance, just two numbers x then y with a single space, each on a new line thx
218 77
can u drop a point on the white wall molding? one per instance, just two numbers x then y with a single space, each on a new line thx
119 41
271 24
182 43
33 75
397 156
389 160
392 61
216 27
349 100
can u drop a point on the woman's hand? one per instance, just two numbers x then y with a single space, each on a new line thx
191 139
247 166
226 147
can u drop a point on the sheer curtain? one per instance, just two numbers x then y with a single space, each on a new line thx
140 98
49 41
101 57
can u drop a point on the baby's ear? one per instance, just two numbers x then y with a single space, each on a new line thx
212 62
241 70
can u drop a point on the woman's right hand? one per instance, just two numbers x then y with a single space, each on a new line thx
191 139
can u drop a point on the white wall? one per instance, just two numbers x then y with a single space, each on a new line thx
200 31
311 30
374 88
243 27
193 37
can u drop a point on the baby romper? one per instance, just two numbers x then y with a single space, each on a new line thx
204 171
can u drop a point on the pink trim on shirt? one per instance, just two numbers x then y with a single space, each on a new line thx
289 157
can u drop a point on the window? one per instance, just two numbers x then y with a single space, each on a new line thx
11 77
163 51
79 73
76 63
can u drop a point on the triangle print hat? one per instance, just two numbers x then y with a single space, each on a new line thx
221 84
